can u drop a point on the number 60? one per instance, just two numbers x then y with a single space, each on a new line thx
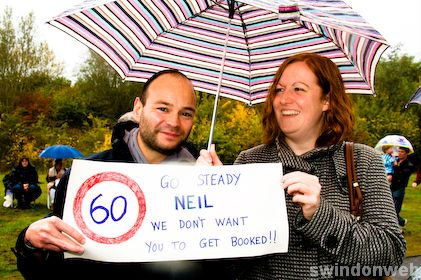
107 212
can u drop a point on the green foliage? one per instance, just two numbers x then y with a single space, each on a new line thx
104 92
237 126
69 106
24 64
96 137
397 78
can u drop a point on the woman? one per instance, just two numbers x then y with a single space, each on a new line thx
25 183
53 177
307 118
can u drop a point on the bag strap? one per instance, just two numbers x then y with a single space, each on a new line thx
355 195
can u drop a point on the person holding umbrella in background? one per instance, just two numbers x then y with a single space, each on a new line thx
403 167
402 171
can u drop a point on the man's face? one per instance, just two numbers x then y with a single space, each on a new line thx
166 119
402 154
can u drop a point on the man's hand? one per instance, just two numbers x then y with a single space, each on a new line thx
55 235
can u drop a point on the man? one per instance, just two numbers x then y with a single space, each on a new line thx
165 113
402 171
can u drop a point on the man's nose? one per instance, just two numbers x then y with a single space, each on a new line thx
173 119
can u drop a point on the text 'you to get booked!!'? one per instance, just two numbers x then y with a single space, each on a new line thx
141 213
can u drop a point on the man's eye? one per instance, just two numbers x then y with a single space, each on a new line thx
187 114
163 109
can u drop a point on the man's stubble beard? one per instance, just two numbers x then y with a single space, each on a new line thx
149 138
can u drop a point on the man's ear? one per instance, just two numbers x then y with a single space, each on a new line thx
137 108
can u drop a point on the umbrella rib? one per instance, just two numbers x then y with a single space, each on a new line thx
328 36
243 25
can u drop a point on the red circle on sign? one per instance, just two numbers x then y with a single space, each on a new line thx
98 178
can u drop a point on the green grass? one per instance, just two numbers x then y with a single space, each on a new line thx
411 210
12 221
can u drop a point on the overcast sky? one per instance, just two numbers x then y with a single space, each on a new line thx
399 22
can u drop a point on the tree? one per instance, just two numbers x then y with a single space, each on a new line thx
397 78
237 126
104 91
23 61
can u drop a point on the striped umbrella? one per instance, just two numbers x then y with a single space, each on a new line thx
226 47
138 38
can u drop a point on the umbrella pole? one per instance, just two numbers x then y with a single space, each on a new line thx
221 73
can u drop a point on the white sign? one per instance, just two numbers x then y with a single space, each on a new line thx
132 212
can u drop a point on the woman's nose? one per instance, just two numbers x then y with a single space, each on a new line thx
286 96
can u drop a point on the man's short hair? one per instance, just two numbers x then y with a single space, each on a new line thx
405 149
144 94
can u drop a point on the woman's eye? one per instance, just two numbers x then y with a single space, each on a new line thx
298 89
163 109
279 90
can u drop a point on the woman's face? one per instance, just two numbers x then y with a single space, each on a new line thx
298 105
25 162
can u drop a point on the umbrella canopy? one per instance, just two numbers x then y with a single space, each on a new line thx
415 99
60 151
395 141
229 47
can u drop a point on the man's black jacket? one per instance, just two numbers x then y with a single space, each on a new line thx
38 264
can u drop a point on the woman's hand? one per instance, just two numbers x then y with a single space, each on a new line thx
305 190
55 235
209 158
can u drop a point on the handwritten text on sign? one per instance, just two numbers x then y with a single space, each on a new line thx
140 213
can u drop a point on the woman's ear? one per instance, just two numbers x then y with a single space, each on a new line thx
326 105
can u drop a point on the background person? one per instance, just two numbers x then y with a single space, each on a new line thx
307 117
389 161
54 175
165 113
25 183
8 193
417 179
402 171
